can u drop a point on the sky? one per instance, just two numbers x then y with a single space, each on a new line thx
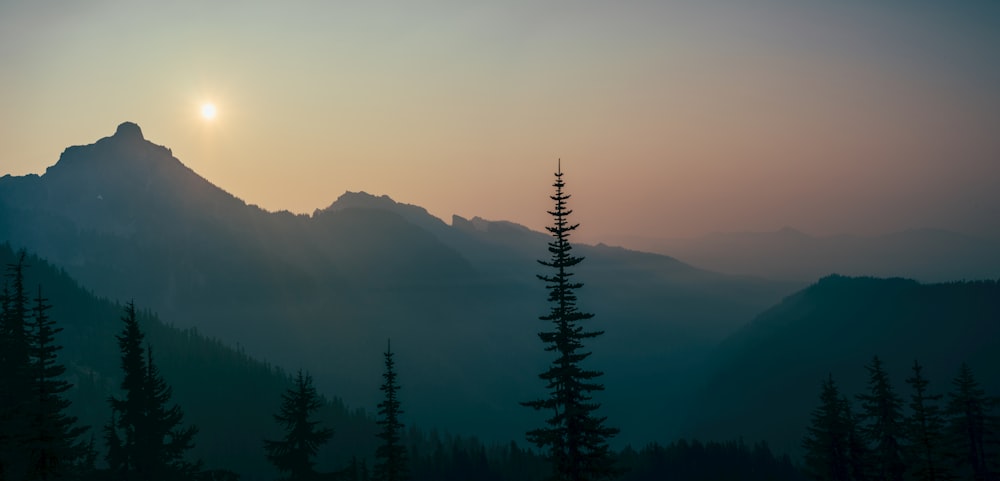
672 118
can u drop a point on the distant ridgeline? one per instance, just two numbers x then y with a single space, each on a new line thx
128 220
324 292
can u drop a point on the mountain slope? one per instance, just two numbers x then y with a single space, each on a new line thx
325 291
765 378
227 394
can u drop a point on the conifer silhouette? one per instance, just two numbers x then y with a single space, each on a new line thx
15 373
390 456
53 446
293 455
145 438
924 429
972 426
827 441
883 424
575 437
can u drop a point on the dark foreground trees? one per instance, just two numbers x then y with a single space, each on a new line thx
961 441
924 428
38 439
883 424
972 428
54 448
145 439
390 456
574 437
294 454
15 378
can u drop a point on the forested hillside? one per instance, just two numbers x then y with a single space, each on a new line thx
763 381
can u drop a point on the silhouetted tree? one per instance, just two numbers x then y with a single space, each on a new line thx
575 437
924 429
883 426
145 438
53 446
390 464
15 374
295 452
971 425
858 455
827 442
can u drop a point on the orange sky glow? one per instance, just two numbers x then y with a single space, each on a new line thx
672 119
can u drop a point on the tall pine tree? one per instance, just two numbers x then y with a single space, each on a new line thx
575 437
390 456
971 426
145 438
293 455
827 442
924 429
54 449
883 424
15 373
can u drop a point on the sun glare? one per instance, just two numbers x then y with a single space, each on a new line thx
208 111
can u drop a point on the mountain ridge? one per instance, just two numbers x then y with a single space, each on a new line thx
321 291
926 254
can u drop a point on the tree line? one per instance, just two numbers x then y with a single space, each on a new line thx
931 438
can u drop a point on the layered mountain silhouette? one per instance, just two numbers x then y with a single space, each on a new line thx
764 381
324 291
927 255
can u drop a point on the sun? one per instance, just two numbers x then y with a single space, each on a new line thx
208 111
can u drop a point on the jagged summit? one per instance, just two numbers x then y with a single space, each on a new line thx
129 131
109 184
362 199
125 153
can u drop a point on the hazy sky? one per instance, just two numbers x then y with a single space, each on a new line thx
672 118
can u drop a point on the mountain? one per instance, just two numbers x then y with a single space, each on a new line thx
764 380
927 255
227 394
325 291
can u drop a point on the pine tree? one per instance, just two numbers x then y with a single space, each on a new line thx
144 438
827 442
924 429
167 441
575 437
858 455
54 450
15 373
390 456
883 428
295 452
971 425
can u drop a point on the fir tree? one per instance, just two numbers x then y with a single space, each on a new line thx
924 429
53 447
858 455
145 440
883 428
971 425
166 440
575 437
827 442
15 373
295 452
390 456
